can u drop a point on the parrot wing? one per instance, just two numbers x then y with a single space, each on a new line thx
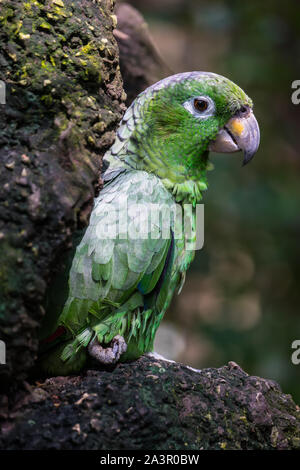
124 249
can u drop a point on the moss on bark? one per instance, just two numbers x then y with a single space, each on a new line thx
59 61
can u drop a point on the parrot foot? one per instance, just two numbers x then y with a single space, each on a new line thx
108 355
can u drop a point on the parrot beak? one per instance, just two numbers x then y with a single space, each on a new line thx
240 133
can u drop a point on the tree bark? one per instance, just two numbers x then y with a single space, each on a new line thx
140 62
64 98
152 404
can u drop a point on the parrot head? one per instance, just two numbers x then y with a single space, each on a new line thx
171 127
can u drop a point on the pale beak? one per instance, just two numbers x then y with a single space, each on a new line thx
240 133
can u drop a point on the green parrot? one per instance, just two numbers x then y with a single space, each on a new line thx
128 265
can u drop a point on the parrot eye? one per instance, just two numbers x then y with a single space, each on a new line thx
200 106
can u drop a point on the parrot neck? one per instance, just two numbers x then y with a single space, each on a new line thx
186 192
186 186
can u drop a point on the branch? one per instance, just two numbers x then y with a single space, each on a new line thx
153 404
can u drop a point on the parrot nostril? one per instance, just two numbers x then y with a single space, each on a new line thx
244 110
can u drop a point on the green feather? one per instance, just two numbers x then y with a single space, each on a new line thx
159 157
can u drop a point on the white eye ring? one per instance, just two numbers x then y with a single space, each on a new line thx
189 105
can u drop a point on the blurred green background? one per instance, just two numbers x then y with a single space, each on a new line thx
241 298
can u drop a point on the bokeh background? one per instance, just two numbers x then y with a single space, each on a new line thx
241 300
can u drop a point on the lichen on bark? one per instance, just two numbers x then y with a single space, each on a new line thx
64 98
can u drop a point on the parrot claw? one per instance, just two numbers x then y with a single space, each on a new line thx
108 355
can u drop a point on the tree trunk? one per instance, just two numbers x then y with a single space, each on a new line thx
140 62
64 98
